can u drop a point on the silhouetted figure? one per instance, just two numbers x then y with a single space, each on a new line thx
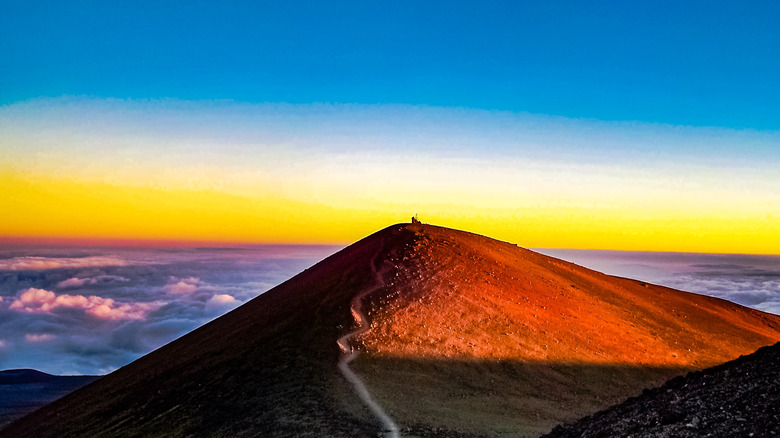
414 220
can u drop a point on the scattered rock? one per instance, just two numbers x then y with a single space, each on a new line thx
738 398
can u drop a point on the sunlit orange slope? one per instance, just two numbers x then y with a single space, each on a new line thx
517 341
463 295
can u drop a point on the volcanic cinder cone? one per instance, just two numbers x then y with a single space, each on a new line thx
468 336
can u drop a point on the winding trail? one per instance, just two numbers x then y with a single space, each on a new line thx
349 353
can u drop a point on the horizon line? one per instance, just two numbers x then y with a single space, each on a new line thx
140 242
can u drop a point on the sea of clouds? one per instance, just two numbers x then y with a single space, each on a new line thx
93 310
750 280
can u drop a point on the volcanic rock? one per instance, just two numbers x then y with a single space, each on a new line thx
738 398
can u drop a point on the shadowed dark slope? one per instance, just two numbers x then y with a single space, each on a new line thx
468 336
738 398
267 368
498 398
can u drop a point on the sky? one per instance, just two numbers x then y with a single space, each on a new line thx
599 125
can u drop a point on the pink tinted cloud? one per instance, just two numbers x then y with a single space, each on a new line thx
73 282
183 286
43 263
38 338
106 308
78 282
35 300
221 303
32 300
222 299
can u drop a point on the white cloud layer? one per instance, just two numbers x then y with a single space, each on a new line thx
183 286
76 282
35 263
90 311
221 302
749 280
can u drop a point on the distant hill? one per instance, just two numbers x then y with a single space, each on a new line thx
23 391
465 336
15 377
740 398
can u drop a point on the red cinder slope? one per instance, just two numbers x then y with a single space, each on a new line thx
503 340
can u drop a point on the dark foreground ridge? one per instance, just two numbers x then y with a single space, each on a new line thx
740 398
465 336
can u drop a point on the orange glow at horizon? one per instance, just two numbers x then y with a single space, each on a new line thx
49 209
84 211
185 171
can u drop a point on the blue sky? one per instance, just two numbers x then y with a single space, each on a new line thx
602 125
682 63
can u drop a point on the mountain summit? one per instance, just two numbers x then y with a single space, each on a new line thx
415 330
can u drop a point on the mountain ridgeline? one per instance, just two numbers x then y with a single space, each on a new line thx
467 336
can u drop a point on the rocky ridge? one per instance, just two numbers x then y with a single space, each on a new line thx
740 398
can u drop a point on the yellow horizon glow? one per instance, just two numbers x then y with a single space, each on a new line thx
226 172
65 208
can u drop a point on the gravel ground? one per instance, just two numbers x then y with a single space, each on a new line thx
740 398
